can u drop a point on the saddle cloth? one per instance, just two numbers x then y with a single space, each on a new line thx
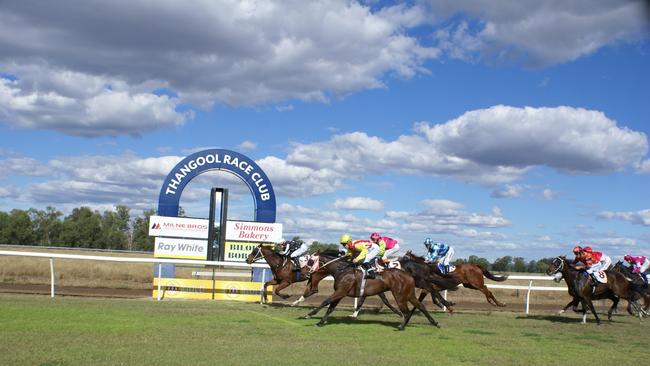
601 276
312 262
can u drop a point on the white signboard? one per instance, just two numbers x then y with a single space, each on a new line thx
256 232
181 248
179 227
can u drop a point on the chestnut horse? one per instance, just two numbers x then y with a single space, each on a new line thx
470 275
348 281
281 267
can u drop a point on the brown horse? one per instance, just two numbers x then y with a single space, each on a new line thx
581 287
470 275
348 281
281 267
636 279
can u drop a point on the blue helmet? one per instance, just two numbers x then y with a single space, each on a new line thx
428 241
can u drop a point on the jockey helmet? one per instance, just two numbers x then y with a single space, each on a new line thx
374 236
577 249
345 238
587 249
627 257
428 241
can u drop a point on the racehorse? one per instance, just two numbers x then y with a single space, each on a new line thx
424 280
281 267
580 287
421 274
636 279
470 275
348 281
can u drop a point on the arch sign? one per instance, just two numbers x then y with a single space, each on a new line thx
218 159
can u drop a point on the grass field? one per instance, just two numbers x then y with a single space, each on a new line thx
37 330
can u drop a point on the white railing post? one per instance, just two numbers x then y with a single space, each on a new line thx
444 296
262 287
530 286
52 277
159 279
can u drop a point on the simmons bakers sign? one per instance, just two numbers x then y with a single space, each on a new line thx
258 232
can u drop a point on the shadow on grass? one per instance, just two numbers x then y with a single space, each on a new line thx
565 319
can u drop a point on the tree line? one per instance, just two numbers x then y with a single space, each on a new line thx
116 229
82 228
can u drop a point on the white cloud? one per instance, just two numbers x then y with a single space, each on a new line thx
539 32
509 191
572 140
548 194
358 203
643 167
96 76
641 217
247 145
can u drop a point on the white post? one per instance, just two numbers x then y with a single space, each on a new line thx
159 279
262 287
444 296
52 277
530 285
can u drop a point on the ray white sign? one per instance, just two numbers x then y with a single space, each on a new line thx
257 232
179 227
181 248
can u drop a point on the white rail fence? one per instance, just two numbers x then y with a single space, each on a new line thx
159 261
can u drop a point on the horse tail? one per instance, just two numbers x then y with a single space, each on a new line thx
489 275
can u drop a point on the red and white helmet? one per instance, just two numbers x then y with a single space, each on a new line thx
587 249
628 257
374 236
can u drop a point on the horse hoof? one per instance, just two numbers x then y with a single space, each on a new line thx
320 325
307 317
400 328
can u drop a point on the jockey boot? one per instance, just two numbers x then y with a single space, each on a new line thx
594 282
446 270
369 270
296 264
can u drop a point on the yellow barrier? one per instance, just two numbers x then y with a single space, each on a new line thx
178 288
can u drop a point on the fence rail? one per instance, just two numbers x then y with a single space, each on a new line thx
159 261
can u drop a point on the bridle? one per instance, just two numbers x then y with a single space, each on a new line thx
260 255
558 267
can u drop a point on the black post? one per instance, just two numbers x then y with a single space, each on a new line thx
222 223
213 193
224 219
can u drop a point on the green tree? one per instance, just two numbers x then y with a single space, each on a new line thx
480 261
47 225
82 228
519 264
114 229
17 228
141 238
502 264
317 246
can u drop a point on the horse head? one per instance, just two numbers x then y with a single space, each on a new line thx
259 252
556 266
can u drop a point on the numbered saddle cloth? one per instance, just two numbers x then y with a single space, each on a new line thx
390 264
312 262
601 276
441 267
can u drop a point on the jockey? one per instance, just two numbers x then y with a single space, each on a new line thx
594 262
638 265
365 252
294 249
386 245
579 255
439 252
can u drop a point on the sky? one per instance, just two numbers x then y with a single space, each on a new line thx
499 127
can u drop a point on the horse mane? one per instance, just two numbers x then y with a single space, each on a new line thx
414 257
330 253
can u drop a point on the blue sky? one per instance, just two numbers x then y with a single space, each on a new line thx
500 127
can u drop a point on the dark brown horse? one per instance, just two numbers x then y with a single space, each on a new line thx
470 275
561 269
581 288
349 281
636 279
281 267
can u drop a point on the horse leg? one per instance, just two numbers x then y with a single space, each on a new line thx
591 307
573 303
384 299
336 296
417 304
358 308
281 286
323 320
265 300
615 301
490 298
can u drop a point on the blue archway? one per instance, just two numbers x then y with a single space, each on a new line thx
218 159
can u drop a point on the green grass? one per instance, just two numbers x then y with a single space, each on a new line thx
37 330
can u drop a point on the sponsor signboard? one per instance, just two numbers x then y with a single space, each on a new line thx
250 231
181 248
178 227
177 288
238 251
